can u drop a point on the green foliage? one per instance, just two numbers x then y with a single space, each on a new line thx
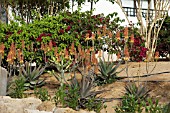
152 106
17 88
136 100
108 72
60 96
93 105
32 76
164 39
166 108
130 105
62 30
67 96
42 94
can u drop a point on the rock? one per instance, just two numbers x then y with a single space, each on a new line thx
69 110
46 106
11 105
35 111
3 81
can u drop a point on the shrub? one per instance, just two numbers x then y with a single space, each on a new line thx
42 94
17 88
79 95
164 39
136 100
61 30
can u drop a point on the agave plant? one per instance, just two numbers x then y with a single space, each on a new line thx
86 88
108 72
140 92
32 76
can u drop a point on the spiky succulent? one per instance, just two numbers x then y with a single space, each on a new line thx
32 75
108 72
140 92
86 90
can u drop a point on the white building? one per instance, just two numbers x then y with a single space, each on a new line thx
106 7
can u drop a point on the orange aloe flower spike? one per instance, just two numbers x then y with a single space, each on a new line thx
50 45
126 32
23 44
66 53
132 38
118 35
87 37
157 55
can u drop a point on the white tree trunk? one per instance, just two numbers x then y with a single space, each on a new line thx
150 30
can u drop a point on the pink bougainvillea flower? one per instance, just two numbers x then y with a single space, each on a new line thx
61 31
39 39
68 28
19 31
42 34
49 34
54 43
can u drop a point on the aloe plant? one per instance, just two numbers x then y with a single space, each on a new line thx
140 92
62 67
80 94
108 72
86 88
32 76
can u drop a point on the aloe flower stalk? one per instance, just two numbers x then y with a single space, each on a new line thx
132 38
118 35
2 47
157 55
126 33
50 45
126 53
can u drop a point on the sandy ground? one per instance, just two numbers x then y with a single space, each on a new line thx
158 82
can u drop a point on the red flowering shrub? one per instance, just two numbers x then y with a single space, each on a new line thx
137 50
62 30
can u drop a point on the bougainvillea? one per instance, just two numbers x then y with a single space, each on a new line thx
62 30
137 50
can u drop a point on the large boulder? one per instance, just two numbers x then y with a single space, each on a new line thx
35 111
11 105
3 81
46 106
69 110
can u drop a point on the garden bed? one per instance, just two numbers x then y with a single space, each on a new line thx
158 82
